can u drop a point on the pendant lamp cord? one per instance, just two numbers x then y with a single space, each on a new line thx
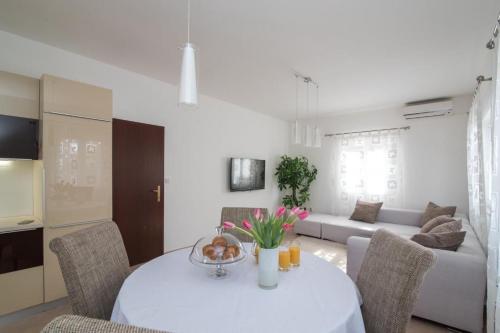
189 21
307 98
296 98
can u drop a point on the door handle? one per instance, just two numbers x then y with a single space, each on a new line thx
158 193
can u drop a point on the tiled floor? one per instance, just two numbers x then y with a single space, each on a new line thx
330 251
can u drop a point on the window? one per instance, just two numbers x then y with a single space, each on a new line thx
368 167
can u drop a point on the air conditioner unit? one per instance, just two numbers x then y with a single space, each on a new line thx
438 107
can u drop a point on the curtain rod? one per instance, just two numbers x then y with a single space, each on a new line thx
480 79
405 128
491 42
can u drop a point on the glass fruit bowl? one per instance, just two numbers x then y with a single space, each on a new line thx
216 252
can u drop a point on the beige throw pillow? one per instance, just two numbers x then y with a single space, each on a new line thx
431 224
452 226
366 211
441 240
434 210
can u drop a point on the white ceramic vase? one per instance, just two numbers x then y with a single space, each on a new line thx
268 268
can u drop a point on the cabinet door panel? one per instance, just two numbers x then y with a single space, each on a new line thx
21 289
21 250
75 98
19 95
77 161
54 285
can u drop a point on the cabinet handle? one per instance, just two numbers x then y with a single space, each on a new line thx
158 193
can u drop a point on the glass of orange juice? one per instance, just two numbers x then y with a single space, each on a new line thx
255 252
294 250
284 259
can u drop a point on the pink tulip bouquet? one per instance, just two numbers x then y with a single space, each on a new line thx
269 232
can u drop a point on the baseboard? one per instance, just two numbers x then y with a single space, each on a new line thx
21 314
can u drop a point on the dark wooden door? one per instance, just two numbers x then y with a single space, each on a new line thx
138 200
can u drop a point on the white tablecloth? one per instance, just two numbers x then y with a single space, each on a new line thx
171 294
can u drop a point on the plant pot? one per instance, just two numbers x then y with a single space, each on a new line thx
268 268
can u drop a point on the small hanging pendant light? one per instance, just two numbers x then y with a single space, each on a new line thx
309 132
188 88
296 135
317 137
317 131
309 135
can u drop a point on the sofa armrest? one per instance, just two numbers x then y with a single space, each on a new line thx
453 291
467 267
356 249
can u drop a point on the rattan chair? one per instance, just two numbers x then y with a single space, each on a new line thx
236 215
389 281
78 324
94 265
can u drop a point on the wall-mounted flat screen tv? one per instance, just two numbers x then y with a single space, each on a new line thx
247 174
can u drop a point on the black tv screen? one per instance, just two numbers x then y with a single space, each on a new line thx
247 174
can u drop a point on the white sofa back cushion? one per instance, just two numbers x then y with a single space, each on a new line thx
400 216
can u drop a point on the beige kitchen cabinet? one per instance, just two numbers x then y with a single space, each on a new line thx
54 286
77 157
21 289
19 95
74 98
77 161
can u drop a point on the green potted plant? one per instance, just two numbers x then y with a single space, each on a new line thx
295 175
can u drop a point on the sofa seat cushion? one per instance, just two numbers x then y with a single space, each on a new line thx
308 227
339 228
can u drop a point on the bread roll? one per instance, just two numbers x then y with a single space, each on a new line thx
219 241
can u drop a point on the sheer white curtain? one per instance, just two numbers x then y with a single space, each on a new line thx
368 167
493 299
479 131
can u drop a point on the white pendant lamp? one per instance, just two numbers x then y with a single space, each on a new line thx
296 135
309 133
188 88
317 131
317 137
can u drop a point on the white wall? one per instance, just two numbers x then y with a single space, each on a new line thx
197 143
435 155
16 191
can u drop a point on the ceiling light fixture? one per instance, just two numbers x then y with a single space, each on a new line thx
188 89
311 137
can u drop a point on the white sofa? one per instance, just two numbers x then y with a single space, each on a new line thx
452 293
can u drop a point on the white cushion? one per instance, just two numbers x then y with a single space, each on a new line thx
400 216
340 228
308 228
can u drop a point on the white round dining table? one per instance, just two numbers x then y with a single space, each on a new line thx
170 294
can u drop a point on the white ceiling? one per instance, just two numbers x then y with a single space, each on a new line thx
363 53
